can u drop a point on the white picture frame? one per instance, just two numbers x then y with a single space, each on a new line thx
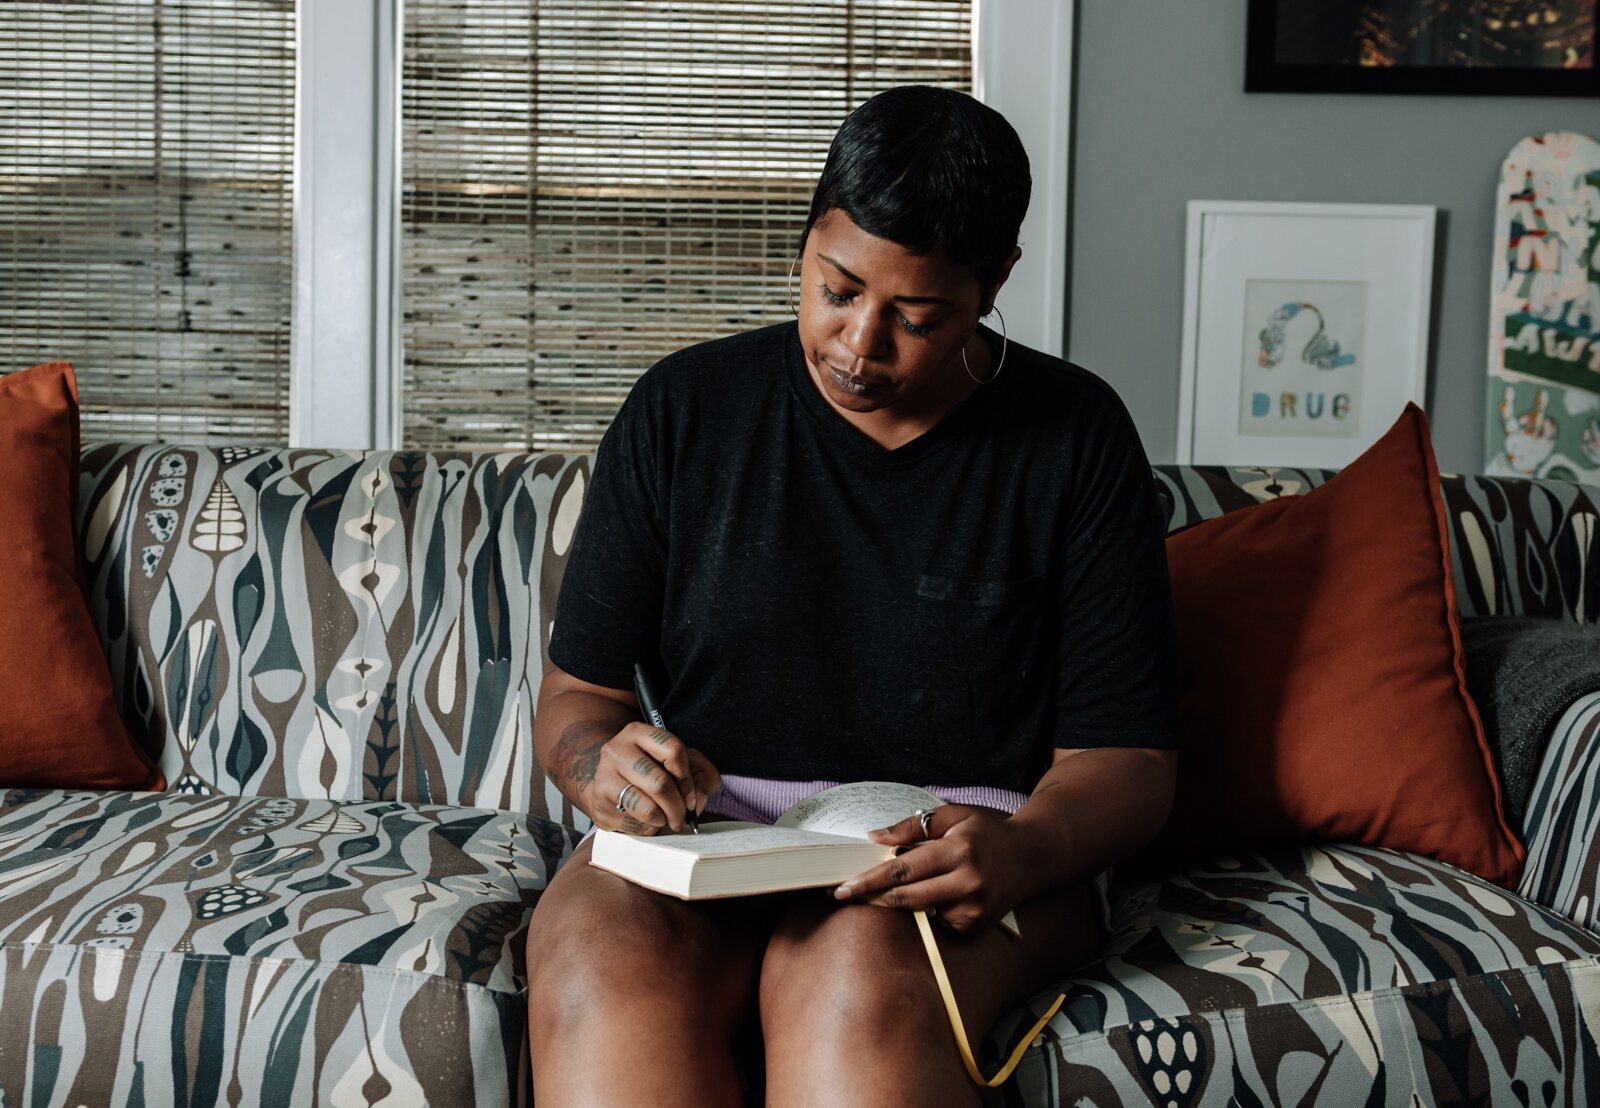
1305 329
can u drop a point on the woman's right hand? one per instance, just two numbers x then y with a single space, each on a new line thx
658 778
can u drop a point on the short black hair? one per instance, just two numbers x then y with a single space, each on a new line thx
929 168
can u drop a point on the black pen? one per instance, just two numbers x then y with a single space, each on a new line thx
647 705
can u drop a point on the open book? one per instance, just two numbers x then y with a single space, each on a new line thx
820 841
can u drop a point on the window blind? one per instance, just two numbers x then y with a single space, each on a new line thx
146 163
588 185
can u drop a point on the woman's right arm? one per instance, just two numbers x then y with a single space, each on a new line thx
590 741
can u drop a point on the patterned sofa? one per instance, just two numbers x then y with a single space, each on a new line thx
336 656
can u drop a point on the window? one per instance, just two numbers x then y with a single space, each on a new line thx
577 189
588 185
146 156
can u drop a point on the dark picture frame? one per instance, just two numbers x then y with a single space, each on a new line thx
1437 47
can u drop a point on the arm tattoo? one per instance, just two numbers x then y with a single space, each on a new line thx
577 752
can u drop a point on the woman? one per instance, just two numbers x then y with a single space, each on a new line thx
879 543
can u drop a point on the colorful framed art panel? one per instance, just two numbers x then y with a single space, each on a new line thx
1544 312
1305 329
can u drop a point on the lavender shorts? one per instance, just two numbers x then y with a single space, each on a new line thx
763 800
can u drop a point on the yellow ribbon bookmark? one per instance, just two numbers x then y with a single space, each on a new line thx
955 1013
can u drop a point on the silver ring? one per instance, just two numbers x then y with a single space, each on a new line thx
622 798
924 817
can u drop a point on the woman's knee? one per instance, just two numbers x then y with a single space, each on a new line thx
600 953
857 970
573 980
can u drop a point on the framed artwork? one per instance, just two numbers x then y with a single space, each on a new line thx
1544 312
1482 47
1305 329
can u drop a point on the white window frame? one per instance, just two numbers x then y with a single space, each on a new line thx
346 361
1022 53
344 336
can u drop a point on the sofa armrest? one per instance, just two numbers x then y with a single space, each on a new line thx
1562 829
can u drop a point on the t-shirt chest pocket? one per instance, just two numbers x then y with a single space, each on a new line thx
987 642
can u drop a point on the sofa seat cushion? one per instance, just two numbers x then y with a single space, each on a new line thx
1324 976
171 948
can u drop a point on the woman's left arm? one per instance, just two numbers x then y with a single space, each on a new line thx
1091 809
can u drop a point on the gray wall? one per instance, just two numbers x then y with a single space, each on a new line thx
1161 118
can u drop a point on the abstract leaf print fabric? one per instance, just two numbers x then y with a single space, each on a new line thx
264 951
325 624
1563 822
1321 977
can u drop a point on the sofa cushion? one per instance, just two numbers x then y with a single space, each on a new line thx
1323 695
1320 977
1563 823
317 951
1524 547
58 722
323 623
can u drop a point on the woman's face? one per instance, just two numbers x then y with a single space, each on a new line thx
882 328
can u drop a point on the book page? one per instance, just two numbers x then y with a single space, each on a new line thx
733 837
857 807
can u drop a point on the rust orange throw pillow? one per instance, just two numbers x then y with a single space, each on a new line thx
1324 695
58 724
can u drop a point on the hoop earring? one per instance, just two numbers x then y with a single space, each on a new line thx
792 308
1004 343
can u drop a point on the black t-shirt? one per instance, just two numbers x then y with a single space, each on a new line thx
946 612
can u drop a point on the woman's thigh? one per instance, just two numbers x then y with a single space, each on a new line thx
835 976
602 946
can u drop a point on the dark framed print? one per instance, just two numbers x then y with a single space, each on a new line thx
1472 47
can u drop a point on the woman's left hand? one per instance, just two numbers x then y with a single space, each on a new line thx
971 868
